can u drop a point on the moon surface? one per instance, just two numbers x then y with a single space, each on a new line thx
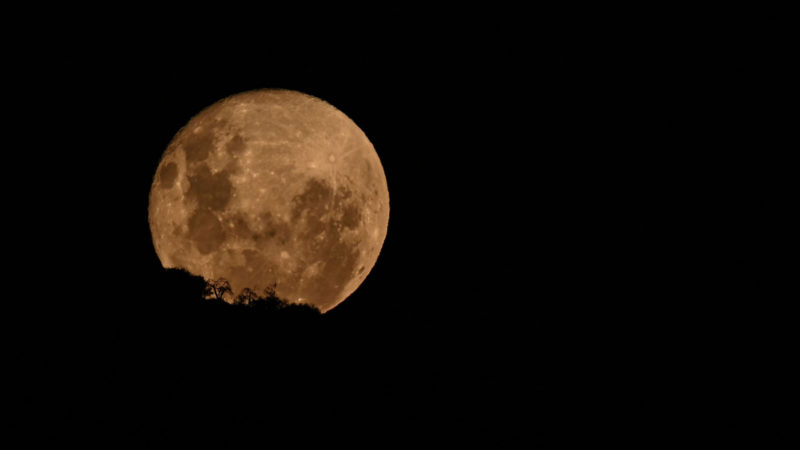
272 187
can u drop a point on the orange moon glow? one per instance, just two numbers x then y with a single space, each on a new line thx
272 186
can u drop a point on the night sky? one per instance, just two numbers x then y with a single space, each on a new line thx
462 144
504 166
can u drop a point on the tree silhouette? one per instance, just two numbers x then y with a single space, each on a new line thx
269 301
269 291
217 289
246 297
185 290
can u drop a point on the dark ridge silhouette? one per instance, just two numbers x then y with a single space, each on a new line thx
168 353
187 289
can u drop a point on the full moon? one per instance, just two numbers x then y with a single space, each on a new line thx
272 188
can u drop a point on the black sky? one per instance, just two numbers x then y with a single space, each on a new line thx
513 155
457 139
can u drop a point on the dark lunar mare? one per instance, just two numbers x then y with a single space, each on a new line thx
324 230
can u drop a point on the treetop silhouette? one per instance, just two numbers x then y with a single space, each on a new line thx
183 285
